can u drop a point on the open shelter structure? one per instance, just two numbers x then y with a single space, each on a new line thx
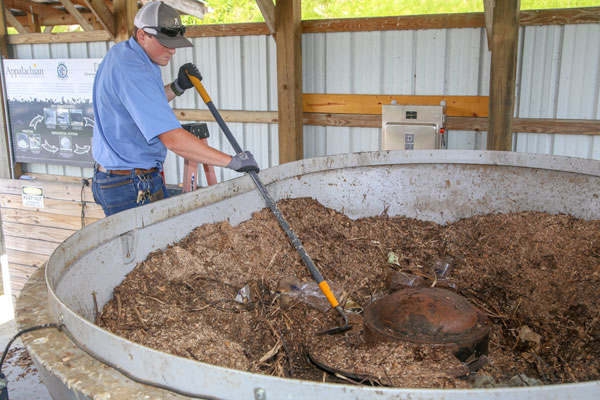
512 80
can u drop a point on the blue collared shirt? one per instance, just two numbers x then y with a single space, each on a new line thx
130 110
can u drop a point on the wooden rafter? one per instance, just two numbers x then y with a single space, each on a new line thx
488 8
66 19
267 8
103 14
12 21
68 4
28 6
189 7
34 23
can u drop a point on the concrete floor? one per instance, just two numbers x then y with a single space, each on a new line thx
24 382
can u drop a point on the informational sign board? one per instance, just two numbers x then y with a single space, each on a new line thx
50 110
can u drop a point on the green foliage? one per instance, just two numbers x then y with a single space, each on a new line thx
237 11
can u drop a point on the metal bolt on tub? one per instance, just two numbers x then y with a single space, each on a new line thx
260 394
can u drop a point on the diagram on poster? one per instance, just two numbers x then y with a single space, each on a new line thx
50 109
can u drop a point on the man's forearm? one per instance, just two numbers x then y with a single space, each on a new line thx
169 92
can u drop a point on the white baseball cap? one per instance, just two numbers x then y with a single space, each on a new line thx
164 22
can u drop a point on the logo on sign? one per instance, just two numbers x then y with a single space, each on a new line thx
62 71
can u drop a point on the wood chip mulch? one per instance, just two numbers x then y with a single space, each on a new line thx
536 276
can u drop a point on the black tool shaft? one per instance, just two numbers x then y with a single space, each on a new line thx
270 203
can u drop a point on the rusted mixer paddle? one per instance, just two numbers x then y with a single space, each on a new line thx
429 316
323 285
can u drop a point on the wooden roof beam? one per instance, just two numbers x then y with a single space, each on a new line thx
267 8
34 23
66 19
104 15
12 21
488 10
68 4
194 8
28 6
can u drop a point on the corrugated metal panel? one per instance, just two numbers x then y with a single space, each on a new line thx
239 74
558 77
426 62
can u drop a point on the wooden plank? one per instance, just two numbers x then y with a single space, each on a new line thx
19 275
12 21
52 190
584 15
49 234
558 126
471 106
411 22
65 19
488 10
104 15
55 178
34 23
354 120
189 7
561 16
22 271
267 9
505 41
30 245
52 206
61 37
525 125
217 30
17 282
85 25
27 6
24 258
33 217
258 117
288 38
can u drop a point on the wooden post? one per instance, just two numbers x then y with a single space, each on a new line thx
505 35
124 12
5 150
34 23
288 37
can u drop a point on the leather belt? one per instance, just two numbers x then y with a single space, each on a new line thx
138 171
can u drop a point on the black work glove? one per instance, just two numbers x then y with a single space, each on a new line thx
183 82
243 162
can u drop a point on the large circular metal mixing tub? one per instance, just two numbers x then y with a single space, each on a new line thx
440 186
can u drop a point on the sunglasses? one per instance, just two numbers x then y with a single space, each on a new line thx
171 32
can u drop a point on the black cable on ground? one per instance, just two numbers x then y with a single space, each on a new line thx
3 381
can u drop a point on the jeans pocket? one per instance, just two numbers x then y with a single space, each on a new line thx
114 193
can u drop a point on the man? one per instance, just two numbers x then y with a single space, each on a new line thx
134 124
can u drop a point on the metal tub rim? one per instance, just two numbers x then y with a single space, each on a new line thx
241 384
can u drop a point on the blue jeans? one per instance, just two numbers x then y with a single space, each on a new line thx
121 192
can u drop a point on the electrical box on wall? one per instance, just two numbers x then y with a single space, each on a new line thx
412 127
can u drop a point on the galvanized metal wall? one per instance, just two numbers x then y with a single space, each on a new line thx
558 77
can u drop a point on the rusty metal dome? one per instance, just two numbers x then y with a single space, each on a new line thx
428 316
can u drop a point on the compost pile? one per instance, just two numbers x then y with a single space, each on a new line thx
241 297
